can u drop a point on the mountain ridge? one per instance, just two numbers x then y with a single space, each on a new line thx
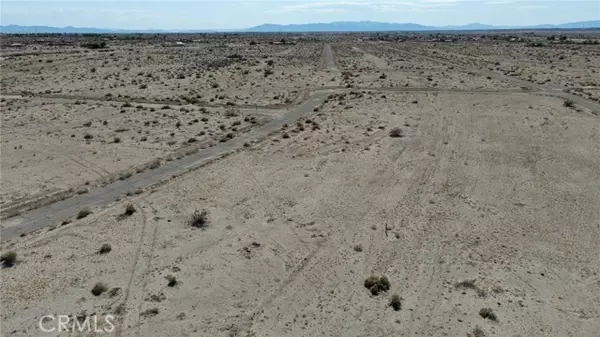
337 26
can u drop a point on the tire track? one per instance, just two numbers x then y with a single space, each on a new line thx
134 270
102 173
148 266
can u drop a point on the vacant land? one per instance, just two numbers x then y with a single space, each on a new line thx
475 192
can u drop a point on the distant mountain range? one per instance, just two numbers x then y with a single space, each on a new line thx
341 26
371 26
16 29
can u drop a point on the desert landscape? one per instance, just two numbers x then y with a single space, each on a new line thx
364 184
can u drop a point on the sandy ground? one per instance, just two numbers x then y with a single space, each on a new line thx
498 189
488 200
63 145
576 67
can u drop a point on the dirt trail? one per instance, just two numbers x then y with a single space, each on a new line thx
55 213
377 61
328 58
544 89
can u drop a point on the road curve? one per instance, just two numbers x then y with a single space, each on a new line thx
55 213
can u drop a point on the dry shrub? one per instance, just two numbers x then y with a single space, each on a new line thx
377 284
83 213
396 133
396 302
99 288
8 259
199 219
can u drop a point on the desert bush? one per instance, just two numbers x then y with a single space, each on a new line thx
105 249
488 313
172 280
129 210
83 213
569 103
377 284
477 332
358 248
154 164
396 133
469 284
94 45
99 288
125 175
199 219
8 259
396 302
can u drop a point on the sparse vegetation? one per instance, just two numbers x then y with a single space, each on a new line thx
377 284
129 210
396 302
105 249
83 213
569 103
469 284
149 312
99 288
94 45
199 219
8 259
396 132
488 313
172 280
477 332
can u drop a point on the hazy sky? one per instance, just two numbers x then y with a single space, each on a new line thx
226 14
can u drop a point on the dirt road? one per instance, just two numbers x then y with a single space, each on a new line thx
482 215
541 88
328 58
54 214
